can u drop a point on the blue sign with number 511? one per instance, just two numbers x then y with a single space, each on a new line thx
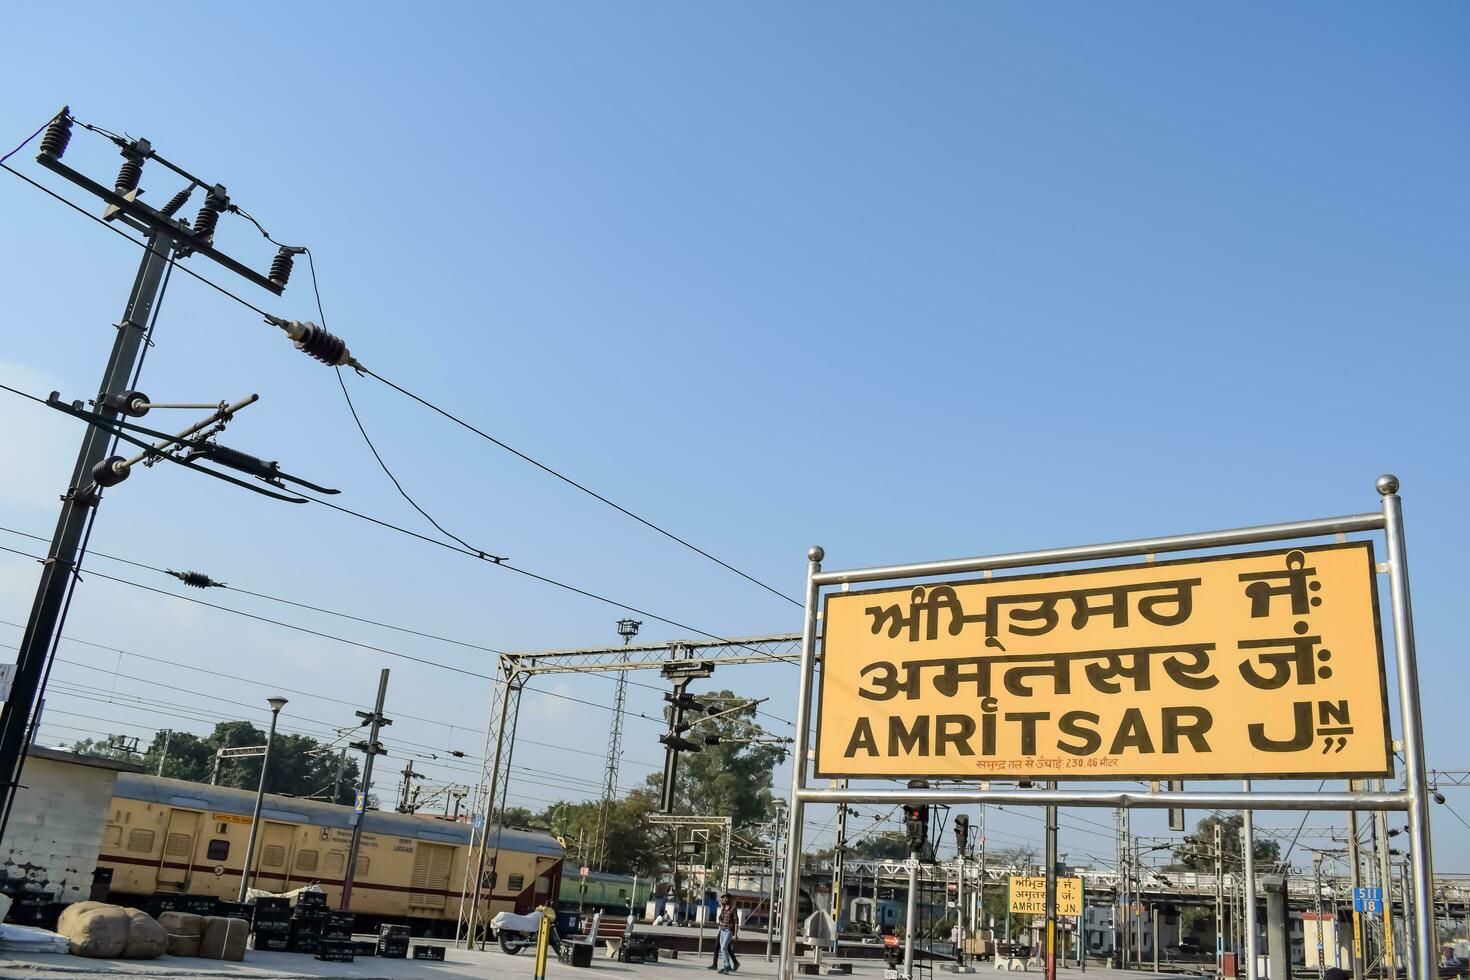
1368 900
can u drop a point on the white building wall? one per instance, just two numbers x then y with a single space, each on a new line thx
56 824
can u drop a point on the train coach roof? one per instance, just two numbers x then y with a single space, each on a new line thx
290 809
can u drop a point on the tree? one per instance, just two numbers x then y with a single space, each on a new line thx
300 766
1197 853
732 778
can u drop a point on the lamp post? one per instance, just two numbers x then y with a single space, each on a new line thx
276 703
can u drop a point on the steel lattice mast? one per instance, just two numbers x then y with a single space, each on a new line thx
627 629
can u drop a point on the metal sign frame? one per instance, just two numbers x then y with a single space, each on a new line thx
1413 798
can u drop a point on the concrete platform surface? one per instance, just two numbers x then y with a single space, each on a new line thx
458 965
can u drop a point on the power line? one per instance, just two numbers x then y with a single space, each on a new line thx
342 639
418 398
331 612
492 560
435 408
571 482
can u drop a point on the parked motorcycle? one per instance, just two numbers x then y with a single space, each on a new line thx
517 932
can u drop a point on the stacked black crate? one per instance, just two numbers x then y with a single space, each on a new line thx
393 942
272 924
306 928
336 938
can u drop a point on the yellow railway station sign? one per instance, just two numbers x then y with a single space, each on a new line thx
1028 895
1238 665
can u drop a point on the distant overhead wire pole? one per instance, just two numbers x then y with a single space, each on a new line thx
627 629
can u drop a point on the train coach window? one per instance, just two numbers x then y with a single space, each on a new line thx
140 841
219 849
336 861
517 882
221 828
306 860
274 856
178 845
361 866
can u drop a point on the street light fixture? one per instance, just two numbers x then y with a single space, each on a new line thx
276 703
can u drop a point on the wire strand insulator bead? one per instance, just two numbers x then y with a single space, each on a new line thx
129 174
280 273
312 340
177 201
198 580
57 135
208 217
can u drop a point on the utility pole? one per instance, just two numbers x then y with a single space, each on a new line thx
627 629
341 771
1380 842
1355 872
371 748
771 917
839 856
76 507
1321 913
167 735
1219 903
1051 891
979 884
1248 849
403 794
165 237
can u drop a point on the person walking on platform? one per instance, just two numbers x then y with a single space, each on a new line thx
729 923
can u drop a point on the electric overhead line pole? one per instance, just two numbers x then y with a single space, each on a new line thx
627 629
166 239
371 748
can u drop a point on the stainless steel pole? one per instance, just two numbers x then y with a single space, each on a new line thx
1412 725
1248 849
246 872
790 913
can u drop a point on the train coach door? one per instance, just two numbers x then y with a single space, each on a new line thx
273 857
178 850
430 876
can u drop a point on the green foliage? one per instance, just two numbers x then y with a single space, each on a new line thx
732 778
300 766
1197 853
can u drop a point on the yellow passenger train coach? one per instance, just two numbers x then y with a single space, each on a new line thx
173 836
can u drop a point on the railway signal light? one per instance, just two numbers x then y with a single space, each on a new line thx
962 833
916 825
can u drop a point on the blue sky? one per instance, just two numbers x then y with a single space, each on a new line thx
906 281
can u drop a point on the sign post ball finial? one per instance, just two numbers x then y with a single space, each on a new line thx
815 553
1387 484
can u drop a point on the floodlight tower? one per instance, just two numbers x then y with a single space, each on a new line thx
627 629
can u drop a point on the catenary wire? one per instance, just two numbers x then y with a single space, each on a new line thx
341 639
311 694
435 408
571 482
496 562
